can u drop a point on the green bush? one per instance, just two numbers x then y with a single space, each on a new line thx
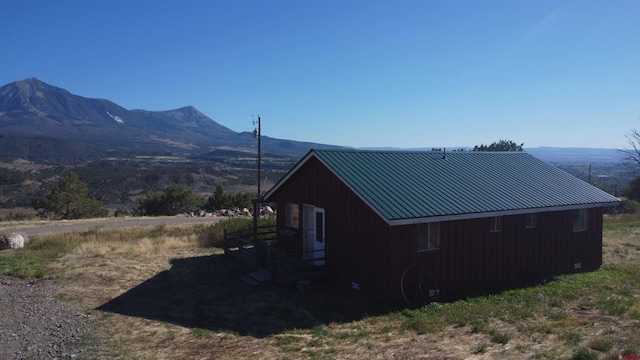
584 354
626 206
121 213
18 216
601 344
499 337
173 200
221 200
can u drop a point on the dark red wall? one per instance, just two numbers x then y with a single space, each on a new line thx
355 236
361 248
471 259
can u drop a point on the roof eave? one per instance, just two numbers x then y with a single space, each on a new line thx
397 222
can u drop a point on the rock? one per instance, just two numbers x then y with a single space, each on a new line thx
13 240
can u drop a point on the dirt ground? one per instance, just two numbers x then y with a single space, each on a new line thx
191 303
196 289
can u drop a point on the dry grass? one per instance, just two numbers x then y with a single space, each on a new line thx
158 294
100 241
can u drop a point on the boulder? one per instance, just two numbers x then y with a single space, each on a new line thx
13 240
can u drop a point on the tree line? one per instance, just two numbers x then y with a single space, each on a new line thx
69 198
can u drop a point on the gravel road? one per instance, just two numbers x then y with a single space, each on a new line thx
35 325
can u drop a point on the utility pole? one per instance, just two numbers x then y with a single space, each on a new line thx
261 246
256 203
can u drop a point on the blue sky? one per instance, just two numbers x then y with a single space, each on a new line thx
355 73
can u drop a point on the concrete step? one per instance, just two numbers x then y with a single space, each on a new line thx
261 276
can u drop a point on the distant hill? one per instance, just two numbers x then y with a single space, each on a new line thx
566 155
49 123
577 155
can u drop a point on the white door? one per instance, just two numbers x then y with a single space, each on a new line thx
314 239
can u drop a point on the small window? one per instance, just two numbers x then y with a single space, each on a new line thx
292 215
580 220
495 225
532 221
428 236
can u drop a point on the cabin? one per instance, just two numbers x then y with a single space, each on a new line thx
406 226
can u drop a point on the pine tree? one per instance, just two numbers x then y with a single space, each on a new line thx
69 199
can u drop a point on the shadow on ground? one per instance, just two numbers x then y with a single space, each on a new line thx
207 292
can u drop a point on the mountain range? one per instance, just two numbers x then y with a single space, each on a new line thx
39 121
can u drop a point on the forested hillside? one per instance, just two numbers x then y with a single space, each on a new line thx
117 184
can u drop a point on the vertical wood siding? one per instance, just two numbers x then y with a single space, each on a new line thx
356 246
474 260
361 248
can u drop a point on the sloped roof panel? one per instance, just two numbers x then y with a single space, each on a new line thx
410 185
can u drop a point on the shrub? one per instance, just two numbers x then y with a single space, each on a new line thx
480 348
601 344
499 337
584 354
626 206
18 216
173 200
121 212
221 200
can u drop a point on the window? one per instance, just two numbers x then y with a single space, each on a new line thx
580 220
532 221
495 225
428 236
292 215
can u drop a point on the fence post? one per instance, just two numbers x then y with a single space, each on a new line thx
224 240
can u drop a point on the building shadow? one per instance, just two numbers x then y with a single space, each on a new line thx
207 292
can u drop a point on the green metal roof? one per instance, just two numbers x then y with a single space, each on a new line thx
408 186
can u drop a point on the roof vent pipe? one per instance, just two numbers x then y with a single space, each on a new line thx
444 153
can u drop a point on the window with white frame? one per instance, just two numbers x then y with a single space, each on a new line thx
495 224
428 236
292 215
532 220
580 217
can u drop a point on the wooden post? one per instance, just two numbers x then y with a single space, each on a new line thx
256 203
224 241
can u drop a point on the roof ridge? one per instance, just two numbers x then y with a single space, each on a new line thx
411 151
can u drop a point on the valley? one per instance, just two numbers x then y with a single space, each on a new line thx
118 183
48 132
